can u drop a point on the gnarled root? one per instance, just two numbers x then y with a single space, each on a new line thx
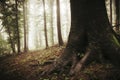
60 63
79 65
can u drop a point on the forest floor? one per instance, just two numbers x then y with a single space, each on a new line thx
28 66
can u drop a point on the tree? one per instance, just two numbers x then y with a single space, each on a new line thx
8 22
111 12
60 40
52 28
25 26
17 27
117 4
90 33
45 26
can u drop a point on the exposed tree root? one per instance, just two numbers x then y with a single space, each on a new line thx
79 65
59 64
76 64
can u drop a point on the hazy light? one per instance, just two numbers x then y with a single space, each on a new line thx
36 23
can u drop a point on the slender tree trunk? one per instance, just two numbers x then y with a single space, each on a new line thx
17 27
60 40
25 30
45 26
111 12
52 28
117 15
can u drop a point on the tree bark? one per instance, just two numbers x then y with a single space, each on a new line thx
45 26
11 41
111 12
117 3
51 21
25 28
90 32
17 27
60 40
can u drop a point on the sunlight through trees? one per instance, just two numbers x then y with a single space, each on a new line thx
29 23
23 23
36 22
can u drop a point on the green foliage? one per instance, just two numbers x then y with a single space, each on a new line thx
81 79
115 40
4 47
9 20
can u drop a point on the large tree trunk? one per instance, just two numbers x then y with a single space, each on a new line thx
90 32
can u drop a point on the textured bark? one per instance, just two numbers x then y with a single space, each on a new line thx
117 3
45 26
17 27
25 28
60 40
90 32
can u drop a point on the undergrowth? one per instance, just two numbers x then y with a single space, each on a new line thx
28 66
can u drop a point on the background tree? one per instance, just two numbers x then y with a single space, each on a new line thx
52 28
117 3
60 40
8 18
25 26
34 23
17 27
111 11
45 27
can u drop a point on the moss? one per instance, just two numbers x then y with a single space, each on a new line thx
115 41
